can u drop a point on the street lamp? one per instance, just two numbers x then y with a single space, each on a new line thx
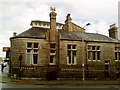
83 51
86 25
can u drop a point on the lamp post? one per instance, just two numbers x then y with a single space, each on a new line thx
83 69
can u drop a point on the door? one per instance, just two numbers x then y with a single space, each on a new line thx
52 75
107 68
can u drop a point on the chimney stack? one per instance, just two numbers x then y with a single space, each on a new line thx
113 32
53 25
68 19
68 22
14 34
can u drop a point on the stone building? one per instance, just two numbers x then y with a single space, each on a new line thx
53 50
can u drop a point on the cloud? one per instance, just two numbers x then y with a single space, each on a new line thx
16 17
99 27
94 10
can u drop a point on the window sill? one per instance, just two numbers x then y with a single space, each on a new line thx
89 60
71 64
98 60
117 60
51 64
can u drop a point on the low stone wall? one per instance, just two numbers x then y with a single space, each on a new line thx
54 72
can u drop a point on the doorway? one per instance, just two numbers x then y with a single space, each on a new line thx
52 75
107 68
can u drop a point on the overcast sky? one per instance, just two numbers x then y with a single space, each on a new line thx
16 15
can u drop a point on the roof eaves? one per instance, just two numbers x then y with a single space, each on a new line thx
29 37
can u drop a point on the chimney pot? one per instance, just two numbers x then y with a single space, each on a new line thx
113 32
14 34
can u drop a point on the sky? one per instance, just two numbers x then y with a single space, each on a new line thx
16 15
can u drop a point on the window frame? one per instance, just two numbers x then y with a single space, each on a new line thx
32 53
52 54
92 53
117 53
71 54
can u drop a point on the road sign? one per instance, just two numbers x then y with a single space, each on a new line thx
5 49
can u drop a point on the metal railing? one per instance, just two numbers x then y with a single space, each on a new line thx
68 72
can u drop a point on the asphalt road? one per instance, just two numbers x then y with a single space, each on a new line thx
58 87
44 87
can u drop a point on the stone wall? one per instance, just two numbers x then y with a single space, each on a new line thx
18 45
96 68
107 53
63 51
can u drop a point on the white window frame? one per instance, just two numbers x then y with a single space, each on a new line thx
90 49
54 60
117 50
53 54
31 62
71 54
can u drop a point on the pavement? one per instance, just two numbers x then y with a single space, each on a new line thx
67 84
32 81
63 82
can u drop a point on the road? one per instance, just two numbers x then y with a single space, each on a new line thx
58 87
7 84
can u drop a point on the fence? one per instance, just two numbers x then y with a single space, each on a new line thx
66 72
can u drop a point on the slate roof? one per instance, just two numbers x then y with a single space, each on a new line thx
34 32
38 32
87 36
98 37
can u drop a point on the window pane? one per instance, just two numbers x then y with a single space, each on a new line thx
73 60
69 47
115 55
74 53
28 50
69 53
69 59
35 50
74 46
52 45
119 55
93 54
29 45
28 61
89 47
93 47
51 59
98 47
118 49
35 58
98 55
35 45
